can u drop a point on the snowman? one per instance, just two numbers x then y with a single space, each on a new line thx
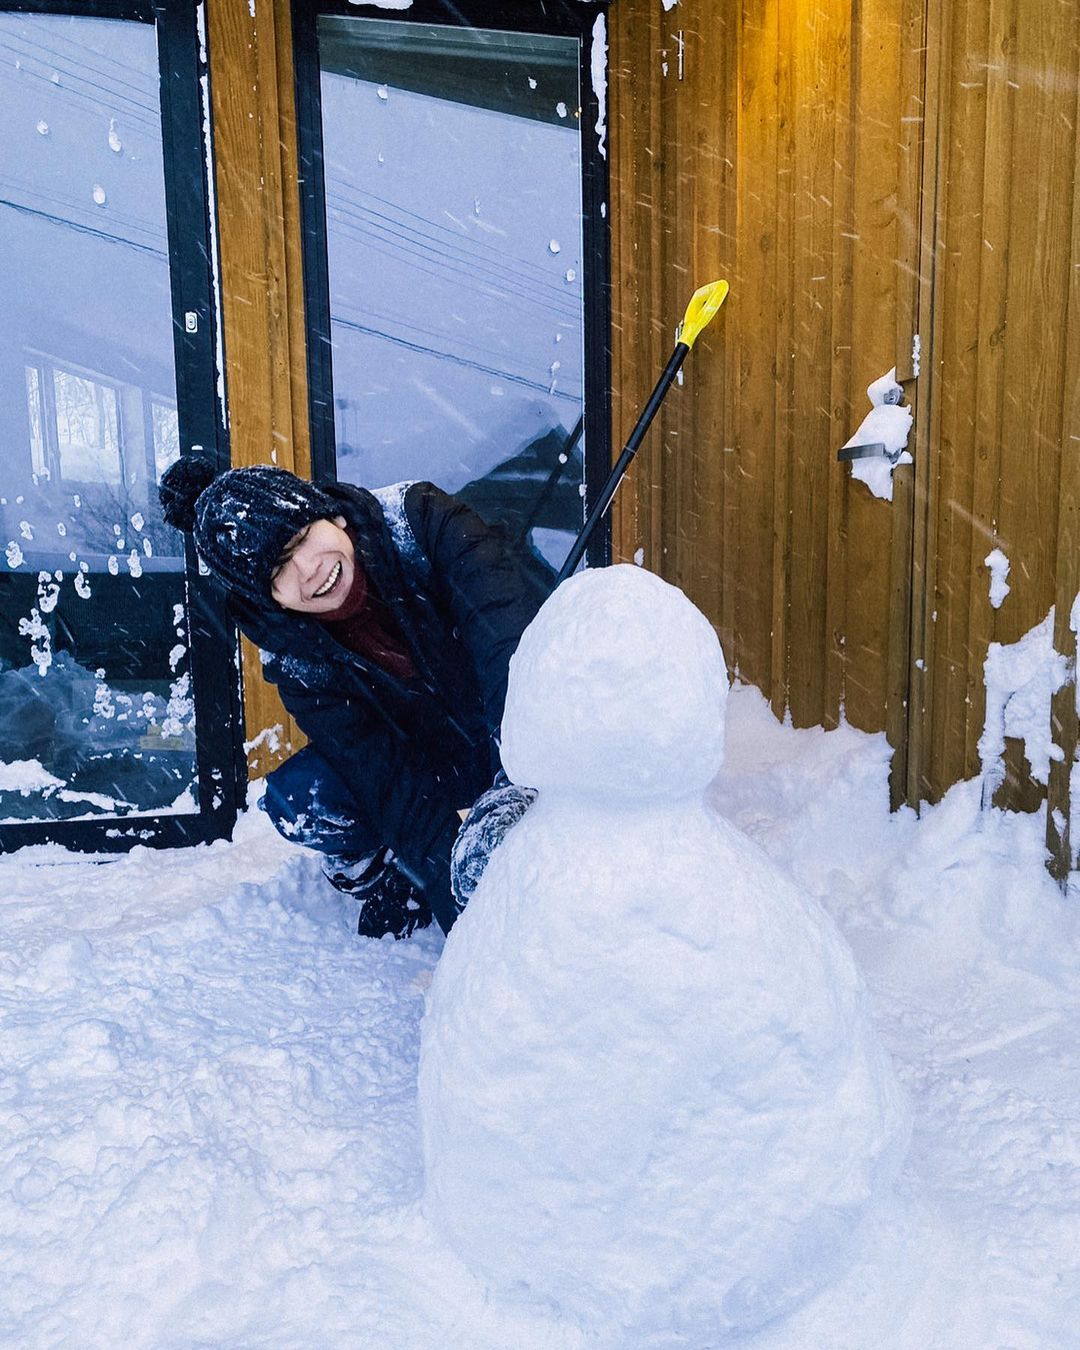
651 1094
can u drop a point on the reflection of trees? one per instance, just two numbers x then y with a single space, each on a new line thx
98 447
95 517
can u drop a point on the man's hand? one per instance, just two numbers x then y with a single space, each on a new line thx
482 831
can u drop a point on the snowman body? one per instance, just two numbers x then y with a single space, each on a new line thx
651 1093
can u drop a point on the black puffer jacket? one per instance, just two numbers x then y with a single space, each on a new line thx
413 752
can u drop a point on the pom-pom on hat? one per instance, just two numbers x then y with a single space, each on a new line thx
241 519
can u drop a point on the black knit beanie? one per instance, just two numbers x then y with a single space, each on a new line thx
241 519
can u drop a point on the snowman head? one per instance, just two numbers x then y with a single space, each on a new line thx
617 688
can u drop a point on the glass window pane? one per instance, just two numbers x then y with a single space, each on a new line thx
452 165
96 716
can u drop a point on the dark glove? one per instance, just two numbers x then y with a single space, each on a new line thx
389 902
481 833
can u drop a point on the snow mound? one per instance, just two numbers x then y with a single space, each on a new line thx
651 1094
591 665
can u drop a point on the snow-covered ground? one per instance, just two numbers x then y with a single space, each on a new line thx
207 1103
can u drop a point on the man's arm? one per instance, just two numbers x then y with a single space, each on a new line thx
491 588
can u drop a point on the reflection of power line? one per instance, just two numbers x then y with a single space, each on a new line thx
436 225
506 299
82 53
449 269
149 127
441 333
459 264
85 229
136 112
498 263
457 360
78 65
155 229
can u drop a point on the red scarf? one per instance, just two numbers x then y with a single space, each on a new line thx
363 624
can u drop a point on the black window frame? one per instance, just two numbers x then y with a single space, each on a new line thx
562 18
213 650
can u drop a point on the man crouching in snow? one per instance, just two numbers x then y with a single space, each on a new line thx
387 621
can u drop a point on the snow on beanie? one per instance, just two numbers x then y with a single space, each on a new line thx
242 518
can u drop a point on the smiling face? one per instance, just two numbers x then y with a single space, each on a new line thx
316 569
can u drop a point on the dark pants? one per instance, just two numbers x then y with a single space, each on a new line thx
311 804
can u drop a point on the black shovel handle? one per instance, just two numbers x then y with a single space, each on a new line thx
678 356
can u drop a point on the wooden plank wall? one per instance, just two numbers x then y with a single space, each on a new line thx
860 172
783 153
1003 426
258 209
638 232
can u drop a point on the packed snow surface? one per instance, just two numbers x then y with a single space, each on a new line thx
651 1092
208 1104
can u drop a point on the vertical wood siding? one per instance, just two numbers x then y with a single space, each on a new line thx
251 81
787 156
1002 434
860 171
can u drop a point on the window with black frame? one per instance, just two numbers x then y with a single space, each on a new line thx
456 254
109 658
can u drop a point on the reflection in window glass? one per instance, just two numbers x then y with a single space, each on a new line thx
87 429
36 419
96 715
452 167
166 436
